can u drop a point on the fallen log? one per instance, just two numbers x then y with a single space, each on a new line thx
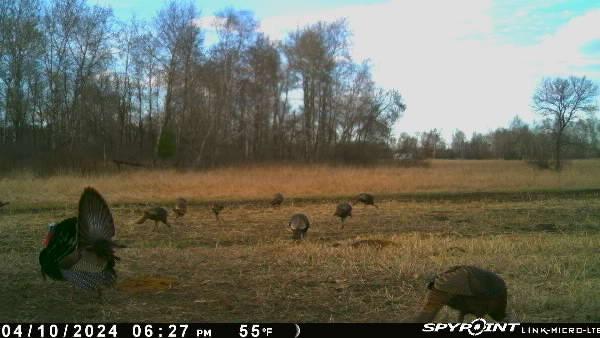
131 164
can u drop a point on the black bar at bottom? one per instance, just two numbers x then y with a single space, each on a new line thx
288 330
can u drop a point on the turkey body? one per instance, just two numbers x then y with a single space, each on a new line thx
468 289
299 225
277 200
80 249
216 208
180 208
366 199
343 210
157 214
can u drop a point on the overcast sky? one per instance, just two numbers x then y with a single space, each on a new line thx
461 64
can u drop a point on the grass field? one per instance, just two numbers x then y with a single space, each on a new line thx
261 182
249 269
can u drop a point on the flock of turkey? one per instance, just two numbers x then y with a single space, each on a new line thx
81 250
299 223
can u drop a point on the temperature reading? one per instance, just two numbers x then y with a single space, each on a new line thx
254 331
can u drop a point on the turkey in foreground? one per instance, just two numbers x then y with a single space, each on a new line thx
299 225
277 200
468 289
180 207
342 211
216 208
80 249
366 199
157 214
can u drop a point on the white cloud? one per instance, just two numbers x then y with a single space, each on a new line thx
561 52
208 22
447 62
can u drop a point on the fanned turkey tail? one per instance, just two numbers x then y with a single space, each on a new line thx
95 220
96 228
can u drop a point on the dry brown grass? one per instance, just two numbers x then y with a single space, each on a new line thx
261 182
248 268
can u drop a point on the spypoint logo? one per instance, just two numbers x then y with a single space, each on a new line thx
474 328
477 327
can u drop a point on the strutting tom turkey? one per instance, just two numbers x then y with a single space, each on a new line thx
80 249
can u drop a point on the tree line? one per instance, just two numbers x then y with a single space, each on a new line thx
518 141
79 88
568 128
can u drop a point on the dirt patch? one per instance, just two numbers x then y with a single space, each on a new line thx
371 243
146 284
546 227
456 249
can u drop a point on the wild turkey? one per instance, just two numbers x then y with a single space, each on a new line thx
216 209
80 249
180 207
468 289
342 211
366 199
299 225
157 214
277 200
3 204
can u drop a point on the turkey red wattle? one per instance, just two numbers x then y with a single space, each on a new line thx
48 238
50 235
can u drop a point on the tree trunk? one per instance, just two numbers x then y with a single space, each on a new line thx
557 150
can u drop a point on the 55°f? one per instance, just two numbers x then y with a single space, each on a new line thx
254 331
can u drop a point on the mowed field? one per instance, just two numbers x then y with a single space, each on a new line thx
538 229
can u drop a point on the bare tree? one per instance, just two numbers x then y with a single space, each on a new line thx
236 31
458 145
316 54
408 146
77 88
561 102
431 142
179 40
19 55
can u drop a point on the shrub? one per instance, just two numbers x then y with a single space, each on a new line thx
166 144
